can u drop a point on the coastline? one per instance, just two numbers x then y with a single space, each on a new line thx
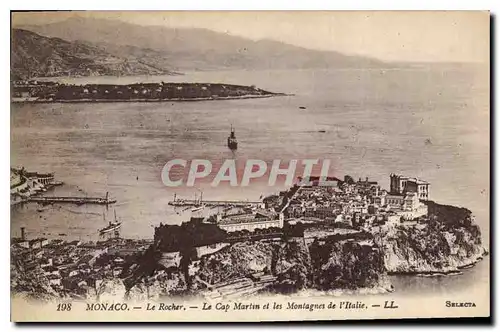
50 91
384 286
468 263
117 262
143 100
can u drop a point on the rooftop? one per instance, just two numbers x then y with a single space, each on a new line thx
414 179
249 219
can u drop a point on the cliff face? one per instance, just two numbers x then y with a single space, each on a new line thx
445 242
158 286
429 249
326 265
235 261
150 280
347 264
448 241
292 266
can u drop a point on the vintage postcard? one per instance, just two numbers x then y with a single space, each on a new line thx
249 166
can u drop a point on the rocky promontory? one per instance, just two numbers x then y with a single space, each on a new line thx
446 242
291 265
334 260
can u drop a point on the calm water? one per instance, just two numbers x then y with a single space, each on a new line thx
476 278
433 124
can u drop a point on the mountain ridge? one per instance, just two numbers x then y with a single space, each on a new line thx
186 49
34 55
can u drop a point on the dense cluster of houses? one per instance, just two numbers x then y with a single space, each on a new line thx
73 267
361 203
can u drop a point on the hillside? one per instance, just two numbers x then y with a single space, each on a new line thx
33 55
195 49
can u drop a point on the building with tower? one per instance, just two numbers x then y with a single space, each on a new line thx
401 185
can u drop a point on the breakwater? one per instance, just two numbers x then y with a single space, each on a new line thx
72 200
192 202
138 92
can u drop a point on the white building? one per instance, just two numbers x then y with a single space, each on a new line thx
54 280
403 184
249 223
38 243
117 271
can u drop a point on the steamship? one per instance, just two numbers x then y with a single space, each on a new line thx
232 142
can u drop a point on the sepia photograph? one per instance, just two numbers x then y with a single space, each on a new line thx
249 166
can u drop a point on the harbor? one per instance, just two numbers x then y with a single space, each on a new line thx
28 187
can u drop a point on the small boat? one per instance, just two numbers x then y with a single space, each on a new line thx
112 226
302 107
197 208
232 142
321 131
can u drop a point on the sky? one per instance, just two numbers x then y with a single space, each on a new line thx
441 36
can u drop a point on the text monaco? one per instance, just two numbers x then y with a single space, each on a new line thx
107 307
254 169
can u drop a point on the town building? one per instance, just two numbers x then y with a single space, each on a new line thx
54 280
24 184
401 185
318 181
261 219
21 243
320 212
368 186
395 201
381 198
38 243
407 206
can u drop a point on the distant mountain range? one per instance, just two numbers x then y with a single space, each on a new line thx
84 46
33 55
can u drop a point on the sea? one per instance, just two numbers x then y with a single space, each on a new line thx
427 121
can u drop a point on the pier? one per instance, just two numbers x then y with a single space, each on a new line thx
72 200
192 202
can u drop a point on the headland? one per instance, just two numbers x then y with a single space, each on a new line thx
49 92
347 237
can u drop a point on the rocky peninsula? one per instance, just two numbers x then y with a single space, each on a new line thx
200 259
446 243
43 92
